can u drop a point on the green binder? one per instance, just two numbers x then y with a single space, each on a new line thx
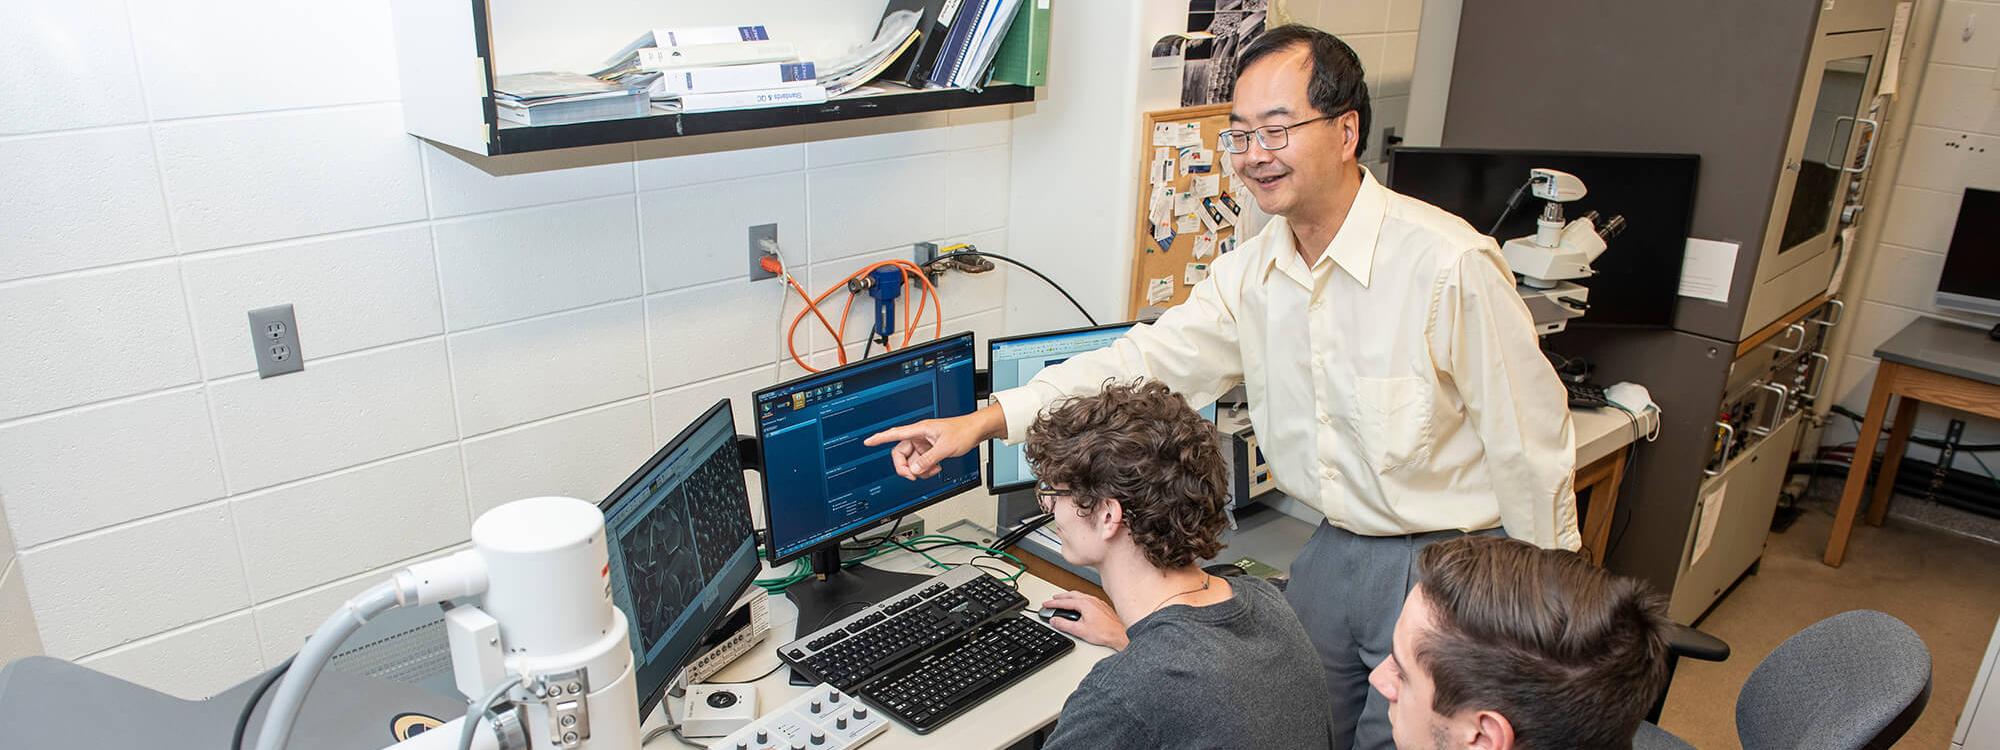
1024 55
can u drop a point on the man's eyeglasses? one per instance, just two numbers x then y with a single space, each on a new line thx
1271 137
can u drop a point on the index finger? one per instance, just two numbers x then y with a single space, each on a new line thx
904 432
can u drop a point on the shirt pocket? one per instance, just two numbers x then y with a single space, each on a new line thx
1395 420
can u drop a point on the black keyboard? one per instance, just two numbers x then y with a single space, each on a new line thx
962 617
1586 394
938 686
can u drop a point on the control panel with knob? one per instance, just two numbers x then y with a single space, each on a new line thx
821 718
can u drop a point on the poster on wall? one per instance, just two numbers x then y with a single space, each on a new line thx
1218 30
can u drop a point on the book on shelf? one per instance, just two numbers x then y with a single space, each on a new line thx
757 99
546 86
699 55
974 58
912 67
566 110
683 37
717 79
954 44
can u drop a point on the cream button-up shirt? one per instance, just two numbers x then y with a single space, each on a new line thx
1396 384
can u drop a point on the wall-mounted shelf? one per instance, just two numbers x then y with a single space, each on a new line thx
515 139
446 56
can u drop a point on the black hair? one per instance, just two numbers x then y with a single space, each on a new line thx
1338 83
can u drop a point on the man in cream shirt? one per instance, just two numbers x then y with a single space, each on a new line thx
1394 376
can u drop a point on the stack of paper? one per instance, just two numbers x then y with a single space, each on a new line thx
552 98
868 60
714 68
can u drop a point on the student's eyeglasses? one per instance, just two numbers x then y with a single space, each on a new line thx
1271 137
1045 497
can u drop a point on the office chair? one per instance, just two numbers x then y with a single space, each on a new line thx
1854 681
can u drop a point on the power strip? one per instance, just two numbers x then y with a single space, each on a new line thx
737 644
821 718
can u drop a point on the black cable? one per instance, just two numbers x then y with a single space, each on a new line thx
1024 267
870 346
250 706
877 541
1918 439
1513 202
773 670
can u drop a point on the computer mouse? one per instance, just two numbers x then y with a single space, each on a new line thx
1052 612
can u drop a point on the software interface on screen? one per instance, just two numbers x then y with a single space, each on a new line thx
1015 361
682 548
820 482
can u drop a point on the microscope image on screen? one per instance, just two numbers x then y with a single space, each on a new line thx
682 542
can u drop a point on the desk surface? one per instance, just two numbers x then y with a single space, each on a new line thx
1001 721
1946 347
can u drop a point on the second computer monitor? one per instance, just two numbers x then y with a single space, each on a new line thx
1014 361
820 483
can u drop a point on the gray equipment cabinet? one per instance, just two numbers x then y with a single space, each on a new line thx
1777 97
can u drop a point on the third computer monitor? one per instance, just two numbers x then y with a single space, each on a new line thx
820 483
1014 361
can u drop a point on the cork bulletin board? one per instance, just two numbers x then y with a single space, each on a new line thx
1189 204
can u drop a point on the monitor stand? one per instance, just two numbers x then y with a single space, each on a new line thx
835 592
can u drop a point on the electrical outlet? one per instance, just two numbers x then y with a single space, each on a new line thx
274 340
763 240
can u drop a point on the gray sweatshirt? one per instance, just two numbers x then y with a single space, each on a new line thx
1236 674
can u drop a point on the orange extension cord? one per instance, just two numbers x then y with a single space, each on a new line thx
912 319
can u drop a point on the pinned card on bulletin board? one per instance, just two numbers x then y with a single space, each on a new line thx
1177 236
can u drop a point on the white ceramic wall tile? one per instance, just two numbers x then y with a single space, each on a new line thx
284 623
1952 46
704 332
230 56
78 200
1950 160
513 265
876 205
1405 15
674 410
984 327
1857 379
462 183
696 235
237 181
521 372
985 126
966 294
90 468
100 590
1958 98
1344 17
18 635
335 414
69 65
1904 277
348 292
976 190
882 138
1398 66
1875 323
583 455
193 664
679 162
1370 48
7 547
331 527
94 336
1922 219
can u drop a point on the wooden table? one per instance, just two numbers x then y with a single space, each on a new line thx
1929 360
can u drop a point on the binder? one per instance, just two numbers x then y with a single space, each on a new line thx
955 45
913 67
1024 56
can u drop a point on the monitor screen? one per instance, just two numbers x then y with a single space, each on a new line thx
1638 276
682 547
1014 361
1971 279
820 482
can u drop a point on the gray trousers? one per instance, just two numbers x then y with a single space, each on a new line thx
1348 590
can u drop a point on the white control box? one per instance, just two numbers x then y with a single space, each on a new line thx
819 719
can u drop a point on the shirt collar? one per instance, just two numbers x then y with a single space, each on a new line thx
1353 247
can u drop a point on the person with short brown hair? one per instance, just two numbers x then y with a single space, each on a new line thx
1135 483
1505 645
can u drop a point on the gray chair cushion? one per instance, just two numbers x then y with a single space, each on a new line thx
1836 685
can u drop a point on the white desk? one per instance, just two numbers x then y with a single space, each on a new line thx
1002 720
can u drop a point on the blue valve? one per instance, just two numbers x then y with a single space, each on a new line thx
886 286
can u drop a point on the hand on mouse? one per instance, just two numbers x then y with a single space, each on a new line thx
1097 624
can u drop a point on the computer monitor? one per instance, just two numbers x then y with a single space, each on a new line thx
1638 279
1014 360
821 485
682 547
1971 280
